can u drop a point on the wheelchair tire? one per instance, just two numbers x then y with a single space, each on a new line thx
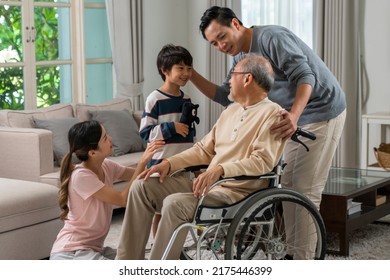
264 211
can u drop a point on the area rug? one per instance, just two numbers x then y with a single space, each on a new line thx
112 238
371 242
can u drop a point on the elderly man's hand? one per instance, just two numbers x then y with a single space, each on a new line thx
161 168
203 182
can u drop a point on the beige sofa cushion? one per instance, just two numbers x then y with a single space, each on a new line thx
24 119
24 203
52 178
82 111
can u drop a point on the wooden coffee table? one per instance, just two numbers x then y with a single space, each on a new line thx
360 185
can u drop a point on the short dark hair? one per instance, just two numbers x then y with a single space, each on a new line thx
222 15
171 55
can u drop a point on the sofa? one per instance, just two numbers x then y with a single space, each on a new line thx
29 220
33 143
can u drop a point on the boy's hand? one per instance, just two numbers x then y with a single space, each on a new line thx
181 129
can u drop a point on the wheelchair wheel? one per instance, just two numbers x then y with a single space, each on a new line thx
205 243
270 239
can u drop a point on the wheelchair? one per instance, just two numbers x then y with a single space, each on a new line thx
252 228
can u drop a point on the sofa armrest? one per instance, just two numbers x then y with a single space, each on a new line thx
26 153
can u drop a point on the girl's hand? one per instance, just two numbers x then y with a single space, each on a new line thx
181 129
151 149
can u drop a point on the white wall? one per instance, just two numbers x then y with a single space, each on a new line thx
176 22
377 54
164 22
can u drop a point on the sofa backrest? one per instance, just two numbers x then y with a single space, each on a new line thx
116 115
24 119
82 111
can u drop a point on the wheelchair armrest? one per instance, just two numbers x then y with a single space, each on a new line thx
245 177
195 168
189 169
238 178
221 179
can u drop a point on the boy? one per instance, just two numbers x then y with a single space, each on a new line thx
163 107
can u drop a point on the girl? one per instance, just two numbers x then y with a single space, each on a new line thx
86 194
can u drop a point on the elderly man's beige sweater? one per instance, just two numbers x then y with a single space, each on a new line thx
241 143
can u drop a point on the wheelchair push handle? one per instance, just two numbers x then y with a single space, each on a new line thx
303 133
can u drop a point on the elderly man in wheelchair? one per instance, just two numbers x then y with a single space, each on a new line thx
239 144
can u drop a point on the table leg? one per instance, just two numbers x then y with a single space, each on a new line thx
344 243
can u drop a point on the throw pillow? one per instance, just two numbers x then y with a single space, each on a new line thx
121 126
25 118
82 111
60 129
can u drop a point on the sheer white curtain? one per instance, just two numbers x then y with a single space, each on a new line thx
217 69
338 45
125 27
296 15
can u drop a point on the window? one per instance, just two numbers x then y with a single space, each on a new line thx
98 57
296 15
46 58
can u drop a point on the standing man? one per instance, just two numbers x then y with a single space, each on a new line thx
307 90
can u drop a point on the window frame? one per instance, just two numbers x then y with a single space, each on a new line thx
78 62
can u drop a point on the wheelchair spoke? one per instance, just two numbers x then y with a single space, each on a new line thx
207 244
